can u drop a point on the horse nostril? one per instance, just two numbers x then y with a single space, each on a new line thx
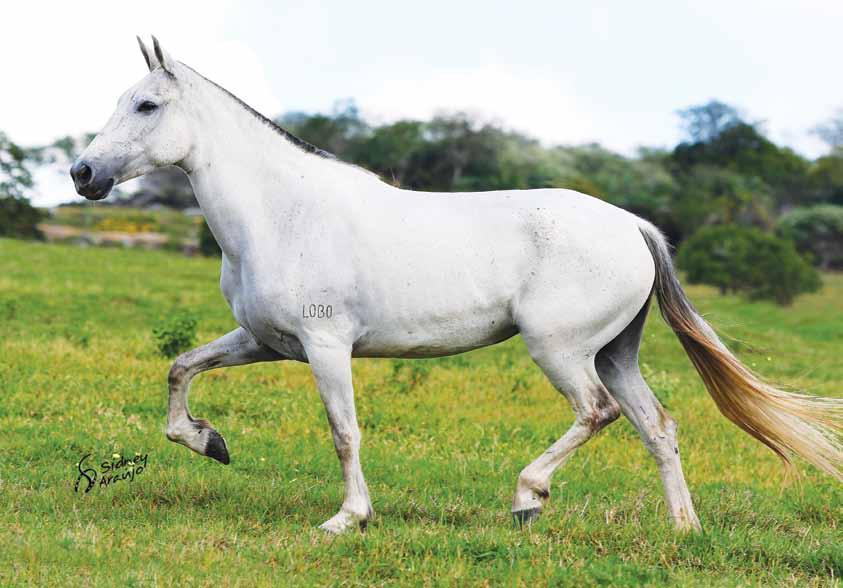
85 174
82 174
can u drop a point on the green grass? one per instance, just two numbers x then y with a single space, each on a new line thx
443 442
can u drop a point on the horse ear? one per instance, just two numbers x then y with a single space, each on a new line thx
151 62
164 59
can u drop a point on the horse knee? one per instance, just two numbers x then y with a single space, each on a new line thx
179 371
605 412
602 410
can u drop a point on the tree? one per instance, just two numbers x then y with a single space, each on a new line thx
18 218
458 155
831 131
391 150
826 178
15 177
704 122
336 133
817 230
712 195
742 149
749 261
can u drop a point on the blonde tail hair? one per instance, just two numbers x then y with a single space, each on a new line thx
789 424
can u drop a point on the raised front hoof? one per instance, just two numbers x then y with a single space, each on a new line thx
216 447
201 437
525 516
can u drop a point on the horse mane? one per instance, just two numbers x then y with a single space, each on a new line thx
297 141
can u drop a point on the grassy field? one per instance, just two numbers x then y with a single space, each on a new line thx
443 442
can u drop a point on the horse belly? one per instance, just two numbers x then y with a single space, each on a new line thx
435 335
433 309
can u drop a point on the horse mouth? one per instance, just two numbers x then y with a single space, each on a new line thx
97 192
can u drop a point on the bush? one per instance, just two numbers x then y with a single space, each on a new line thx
817 230
748 261
175 334
18 218
207 243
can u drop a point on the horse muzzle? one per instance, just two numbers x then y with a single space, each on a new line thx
91 183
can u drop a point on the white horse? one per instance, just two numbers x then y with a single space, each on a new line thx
322 261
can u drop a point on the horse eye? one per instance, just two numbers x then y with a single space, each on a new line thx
146 106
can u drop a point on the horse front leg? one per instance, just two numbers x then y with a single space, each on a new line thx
236 348
331 368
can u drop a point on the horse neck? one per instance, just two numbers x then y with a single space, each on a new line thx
245 174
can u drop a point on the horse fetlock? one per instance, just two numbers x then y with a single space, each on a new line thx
360 509
538 485
530 495
180 432
346 519
201 437
686 521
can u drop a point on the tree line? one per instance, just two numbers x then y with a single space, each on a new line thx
725 171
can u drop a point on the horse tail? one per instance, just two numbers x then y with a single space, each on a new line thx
789 424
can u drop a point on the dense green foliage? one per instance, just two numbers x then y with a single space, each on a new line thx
817 230
15 177
175 333
443 442
827 178
743 150
748 261
18 218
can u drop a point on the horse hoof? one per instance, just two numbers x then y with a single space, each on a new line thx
216 447
525 517
343 522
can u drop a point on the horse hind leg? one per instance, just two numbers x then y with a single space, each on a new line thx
593 407
617 367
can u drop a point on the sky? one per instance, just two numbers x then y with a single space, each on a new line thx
566 72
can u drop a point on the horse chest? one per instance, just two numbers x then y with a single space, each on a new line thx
258 302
